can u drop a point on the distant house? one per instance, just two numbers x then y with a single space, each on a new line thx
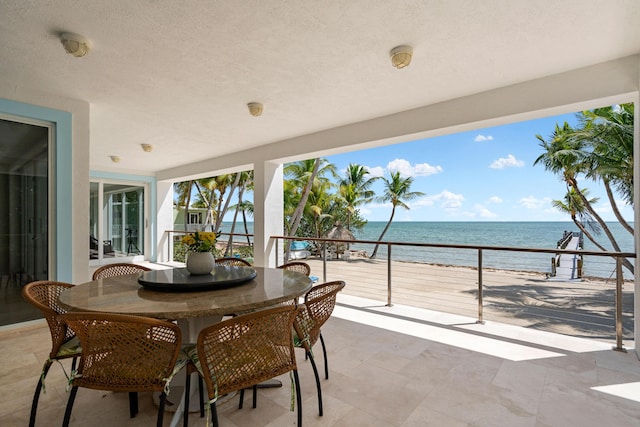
195 222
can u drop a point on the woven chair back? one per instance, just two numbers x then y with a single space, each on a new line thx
247 350
124 353
118 269
300 267
44 295
232 261
319 303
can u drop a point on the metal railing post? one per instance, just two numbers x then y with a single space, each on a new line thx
324 262
389 304
277 251
169 247
480 314
619 277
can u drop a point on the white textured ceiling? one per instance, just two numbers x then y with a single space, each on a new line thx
178 74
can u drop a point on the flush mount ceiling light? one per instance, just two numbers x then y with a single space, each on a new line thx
255 108
401 56
147 148
75 44
115 159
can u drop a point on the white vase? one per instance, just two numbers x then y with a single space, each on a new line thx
200 262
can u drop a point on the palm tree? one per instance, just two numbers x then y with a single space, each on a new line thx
573 205
245 180
567 154
212 194
609 131
232 180
183 192
206 198
318 210
397 191
355 189
302 175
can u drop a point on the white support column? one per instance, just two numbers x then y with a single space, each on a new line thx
268 211
636 214
164 220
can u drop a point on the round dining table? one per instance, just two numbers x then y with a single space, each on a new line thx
194 302
180 299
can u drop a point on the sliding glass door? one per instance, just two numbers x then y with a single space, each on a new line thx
25 187
117 221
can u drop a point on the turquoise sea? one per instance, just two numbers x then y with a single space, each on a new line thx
510 234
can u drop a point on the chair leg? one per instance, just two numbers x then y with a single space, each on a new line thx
163 399
214 414
315 373
324 353
36 395
241 399
298 396
255 396
187 392
67 412
201 390
133 404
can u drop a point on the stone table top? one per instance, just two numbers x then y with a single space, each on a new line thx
124 295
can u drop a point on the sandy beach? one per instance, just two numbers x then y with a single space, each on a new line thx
579 308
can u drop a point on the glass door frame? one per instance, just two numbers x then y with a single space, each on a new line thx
101 226
51 184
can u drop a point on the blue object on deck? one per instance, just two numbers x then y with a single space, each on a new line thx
314 279
299 245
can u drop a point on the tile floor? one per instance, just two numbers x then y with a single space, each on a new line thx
397 366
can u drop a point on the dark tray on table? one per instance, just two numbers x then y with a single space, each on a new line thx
180 280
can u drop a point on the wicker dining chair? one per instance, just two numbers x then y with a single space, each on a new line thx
299 266
245 350
318 306
121 269
232 261
118 269
124 353
44 296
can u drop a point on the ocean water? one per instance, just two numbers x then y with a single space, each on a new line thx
540 235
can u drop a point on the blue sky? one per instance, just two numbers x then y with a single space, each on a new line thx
483 175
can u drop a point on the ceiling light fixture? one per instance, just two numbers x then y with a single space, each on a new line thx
75 44
115 159
401 56
255 108
147 148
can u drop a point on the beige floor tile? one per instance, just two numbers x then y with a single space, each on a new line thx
380 376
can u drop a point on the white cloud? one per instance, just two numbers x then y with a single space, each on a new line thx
375 171
481 138
425 201
364 211
494 199
532 202
407 170
451 200
484 212
377 205
445 199
506 162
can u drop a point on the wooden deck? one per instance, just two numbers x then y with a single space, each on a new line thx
580 309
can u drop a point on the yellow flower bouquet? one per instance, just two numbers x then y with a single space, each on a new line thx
200 241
